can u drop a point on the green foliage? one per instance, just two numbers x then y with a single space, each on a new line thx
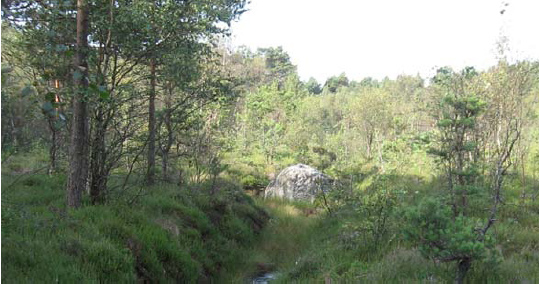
250 181
442 236
278 63
313 87
376 206
228 119
443 76
334 83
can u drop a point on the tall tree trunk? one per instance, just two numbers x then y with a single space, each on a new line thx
167 120
98 174
78 149
150 175
55 133
170 140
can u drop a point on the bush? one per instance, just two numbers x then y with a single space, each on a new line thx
442 237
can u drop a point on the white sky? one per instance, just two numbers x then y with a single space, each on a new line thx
381 38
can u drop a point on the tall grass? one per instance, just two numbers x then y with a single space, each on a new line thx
281 243
169 234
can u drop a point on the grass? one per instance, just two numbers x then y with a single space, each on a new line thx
170 234
281 242
317 248
339 248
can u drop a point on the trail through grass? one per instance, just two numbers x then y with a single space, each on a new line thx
287 236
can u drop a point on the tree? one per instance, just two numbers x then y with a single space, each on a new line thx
371 113
277 63
191 81
127 57
313 87
193 22
42 56
368 82
452 236
479 127
78 149
115 53
334 83
509 113
246 67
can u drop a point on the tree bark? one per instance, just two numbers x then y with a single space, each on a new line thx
167 120
54 146
164 164
463 267
78 149
166 148
55 134
98 174
150 175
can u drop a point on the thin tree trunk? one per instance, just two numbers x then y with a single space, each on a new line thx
150 176
78 150
54 147
164 163
166 149
55 133
369 145
463 267
523 168
380 156
98 157
167 119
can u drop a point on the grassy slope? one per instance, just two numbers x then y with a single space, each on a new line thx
169 234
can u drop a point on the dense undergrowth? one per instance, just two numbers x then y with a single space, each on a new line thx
166 234
363 241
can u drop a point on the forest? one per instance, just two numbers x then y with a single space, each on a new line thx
136 147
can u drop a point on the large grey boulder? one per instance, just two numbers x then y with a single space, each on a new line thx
299 182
